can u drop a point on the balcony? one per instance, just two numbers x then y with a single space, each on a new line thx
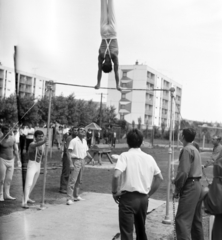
164 115
149 101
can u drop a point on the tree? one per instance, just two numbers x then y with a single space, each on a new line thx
28 110
9 109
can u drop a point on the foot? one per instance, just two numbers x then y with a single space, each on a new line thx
25 205
30 201
63 191
1 199
119 88
69 202
78 199
10 198
97 86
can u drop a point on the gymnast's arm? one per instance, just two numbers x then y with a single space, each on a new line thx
116 69
99 75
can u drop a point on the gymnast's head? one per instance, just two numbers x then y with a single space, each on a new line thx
107 65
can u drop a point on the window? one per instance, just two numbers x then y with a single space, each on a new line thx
124 85
123 106
123 95
124 74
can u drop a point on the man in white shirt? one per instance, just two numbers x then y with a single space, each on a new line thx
77 150
135 179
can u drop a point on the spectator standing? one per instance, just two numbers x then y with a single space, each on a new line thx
78 150
8 149
29 135
114 139
59 137
22 139
89 138
188 188
213 200
65 161
135 179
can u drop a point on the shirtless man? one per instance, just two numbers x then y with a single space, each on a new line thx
8 150
108 51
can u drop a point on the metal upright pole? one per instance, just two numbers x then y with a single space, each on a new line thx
42 206
100 115
167 218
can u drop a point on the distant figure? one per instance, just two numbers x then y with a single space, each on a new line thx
135 179
114 139
89 138
108 51
59 137
213 199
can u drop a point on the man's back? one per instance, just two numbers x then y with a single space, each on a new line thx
138 169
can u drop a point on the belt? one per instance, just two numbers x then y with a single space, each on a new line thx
193 178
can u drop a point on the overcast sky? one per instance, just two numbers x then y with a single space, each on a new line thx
59 39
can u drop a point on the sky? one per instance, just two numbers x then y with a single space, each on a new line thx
59 39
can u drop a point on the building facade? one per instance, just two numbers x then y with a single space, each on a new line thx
152 107
25 84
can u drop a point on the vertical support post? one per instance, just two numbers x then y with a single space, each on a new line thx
100 115
167 218
42 206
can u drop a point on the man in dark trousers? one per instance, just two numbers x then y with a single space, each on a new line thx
188 189
65 161
135 179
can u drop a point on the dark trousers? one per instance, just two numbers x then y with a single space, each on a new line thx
217 227
189 217
132 210
22 143
65 172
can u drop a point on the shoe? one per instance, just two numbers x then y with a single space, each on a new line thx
63 191
25 206
69 202
31 201
78 199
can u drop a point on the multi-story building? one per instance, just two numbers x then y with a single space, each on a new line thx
153 107
25 84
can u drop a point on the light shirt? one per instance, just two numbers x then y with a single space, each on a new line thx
79 148
138 170
30 133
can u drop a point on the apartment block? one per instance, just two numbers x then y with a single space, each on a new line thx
25 84
153 107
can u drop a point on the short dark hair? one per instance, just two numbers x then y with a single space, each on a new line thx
134 138
189 134
38 132
107 67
